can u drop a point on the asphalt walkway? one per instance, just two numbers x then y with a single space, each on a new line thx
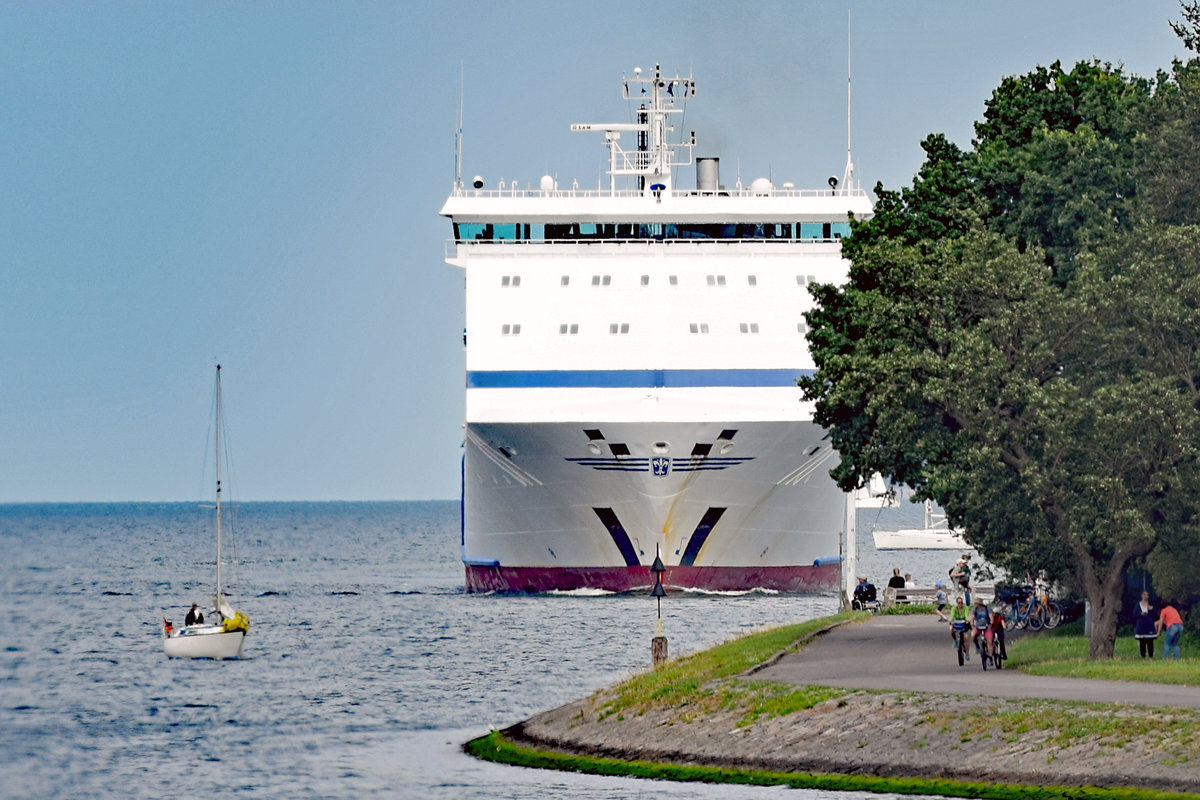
916 653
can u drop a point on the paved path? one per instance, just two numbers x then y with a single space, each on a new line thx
915 653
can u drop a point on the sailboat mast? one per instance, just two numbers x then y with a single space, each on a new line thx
217 475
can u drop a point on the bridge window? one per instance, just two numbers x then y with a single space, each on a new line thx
616 231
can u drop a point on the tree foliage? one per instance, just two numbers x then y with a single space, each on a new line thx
1189 30
1019 337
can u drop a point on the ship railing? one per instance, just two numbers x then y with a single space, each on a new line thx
452 244
742 191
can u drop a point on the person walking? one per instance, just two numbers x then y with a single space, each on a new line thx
1145 628
1170 624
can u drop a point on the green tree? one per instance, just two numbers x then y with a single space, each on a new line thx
1013 343
1171 149
1054 155
1189 30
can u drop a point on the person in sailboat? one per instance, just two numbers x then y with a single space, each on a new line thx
194 616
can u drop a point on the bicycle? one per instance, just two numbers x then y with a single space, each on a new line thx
999 652
1052 612
981 644
1025 612
960 638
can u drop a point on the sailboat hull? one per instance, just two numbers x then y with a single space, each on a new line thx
920 539
207 641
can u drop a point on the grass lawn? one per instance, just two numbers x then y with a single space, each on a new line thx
1064 652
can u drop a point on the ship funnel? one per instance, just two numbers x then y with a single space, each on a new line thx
708 174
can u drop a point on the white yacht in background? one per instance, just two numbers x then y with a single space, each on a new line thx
631 362
877 494
936 535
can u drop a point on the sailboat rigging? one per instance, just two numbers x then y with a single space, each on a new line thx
224 634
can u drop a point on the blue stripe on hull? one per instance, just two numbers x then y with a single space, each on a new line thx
617 531
700 535
632 378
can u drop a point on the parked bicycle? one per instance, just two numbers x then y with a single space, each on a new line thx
1021 609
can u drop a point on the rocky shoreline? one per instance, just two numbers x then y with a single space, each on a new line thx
880 732
885 734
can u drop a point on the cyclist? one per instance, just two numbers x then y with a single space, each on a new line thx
981 622
960 617
996 638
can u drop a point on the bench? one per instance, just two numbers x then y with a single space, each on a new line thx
928 594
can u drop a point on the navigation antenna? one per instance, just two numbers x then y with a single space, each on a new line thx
458 132
848 176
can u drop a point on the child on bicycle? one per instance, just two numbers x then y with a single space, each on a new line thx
981 622
996 636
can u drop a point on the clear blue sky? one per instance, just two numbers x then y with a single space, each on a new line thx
257 183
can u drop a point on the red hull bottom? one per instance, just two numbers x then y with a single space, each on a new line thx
800 579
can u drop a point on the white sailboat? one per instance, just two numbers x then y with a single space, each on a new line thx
224 634
936 535
877 494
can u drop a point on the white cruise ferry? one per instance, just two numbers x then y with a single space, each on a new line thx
631 363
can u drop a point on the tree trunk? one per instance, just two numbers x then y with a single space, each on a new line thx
1105 604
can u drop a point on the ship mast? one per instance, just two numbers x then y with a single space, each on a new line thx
651 163
848 175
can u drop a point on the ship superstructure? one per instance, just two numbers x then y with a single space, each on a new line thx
631 363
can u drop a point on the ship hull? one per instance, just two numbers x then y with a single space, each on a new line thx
794 579
729 506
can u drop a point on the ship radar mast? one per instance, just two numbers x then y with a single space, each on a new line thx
651 163
848 175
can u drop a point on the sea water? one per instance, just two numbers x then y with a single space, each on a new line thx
366 666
